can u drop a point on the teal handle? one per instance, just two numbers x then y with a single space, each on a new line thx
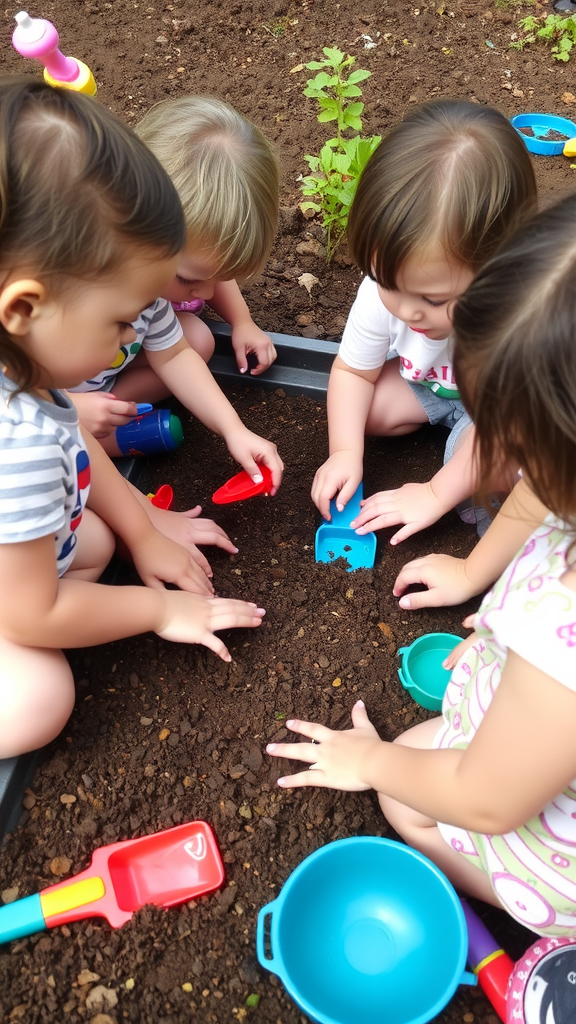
23 917
404 681
468 978
264 960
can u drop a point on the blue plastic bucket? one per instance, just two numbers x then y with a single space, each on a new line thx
366 929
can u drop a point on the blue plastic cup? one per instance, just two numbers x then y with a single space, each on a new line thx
422 672
156 431
366 930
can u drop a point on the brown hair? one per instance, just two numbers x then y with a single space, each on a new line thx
76 188
515 356
226 174
453 176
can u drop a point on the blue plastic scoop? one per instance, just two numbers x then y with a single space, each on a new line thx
338 540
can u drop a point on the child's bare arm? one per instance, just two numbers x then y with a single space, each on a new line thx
452 581
39 610
523 736
350 394
228 302
185 373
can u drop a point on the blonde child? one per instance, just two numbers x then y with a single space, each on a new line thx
90 231
226 175
435 200
488 790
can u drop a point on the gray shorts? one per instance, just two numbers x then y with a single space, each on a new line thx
447 412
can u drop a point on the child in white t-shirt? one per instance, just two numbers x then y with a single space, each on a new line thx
435 200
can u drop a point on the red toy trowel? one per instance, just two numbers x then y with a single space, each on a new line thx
166 868
242 486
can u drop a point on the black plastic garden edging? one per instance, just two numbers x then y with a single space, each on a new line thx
302 367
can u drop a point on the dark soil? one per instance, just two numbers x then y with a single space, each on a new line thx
328 636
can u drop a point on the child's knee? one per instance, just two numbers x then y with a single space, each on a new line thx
36 701
198 335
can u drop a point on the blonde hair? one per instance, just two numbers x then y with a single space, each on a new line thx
77 188
452 176
226 174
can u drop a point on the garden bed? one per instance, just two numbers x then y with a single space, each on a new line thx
328 636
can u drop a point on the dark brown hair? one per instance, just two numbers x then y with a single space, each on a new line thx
515 357
76 189
452 176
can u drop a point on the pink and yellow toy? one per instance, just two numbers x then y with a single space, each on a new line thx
166 868
37 38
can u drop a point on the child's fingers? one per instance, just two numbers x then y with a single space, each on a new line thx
360 718
312 777
294 751
312 730
200 560
468 622
407 531
229 614
192 513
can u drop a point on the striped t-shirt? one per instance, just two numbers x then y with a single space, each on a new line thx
44 470
156 328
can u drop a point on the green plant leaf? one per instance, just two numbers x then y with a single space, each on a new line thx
334 55
350 90
359 76
328 115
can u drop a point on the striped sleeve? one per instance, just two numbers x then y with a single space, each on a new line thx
32 481
162 327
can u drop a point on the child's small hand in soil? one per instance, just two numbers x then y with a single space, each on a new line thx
339 758
159 560
444 576
414 505
188 530
192 619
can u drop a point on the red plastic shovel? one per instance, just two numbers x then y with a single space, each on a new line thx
242 486
166 868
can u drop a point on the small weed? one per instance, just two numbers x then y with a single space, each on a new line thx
279 716
280 27
556 31
337 168
507 5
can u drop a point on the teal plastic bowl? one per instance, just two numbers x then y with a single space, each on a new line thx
366 931
421 671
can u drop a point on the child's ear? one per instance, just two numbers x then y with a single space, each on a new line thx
20 302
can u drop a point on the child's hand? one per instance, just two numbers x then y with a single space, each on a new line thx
159 560
415 505
337 478
444 575
340 758
461 648
190 619
246 338
188 530
249 450
101 413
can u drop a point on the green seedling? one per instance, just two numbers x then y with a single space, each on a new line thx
335 171
556 31
253 1000
279 716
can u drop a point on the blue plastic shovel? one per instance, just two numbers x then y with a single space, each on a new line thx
338 540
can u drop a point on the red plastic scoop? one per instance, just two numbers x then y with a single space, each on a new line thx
242 486
166 868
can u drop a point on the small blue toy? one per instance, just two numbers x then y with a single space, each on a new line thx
337 539
156 431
